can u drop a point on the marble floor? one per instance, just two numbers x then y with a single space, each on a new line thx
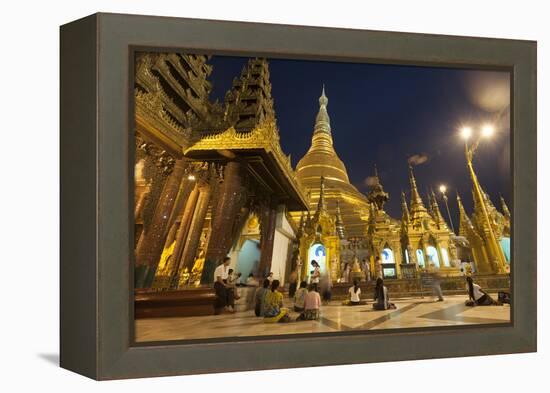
410 313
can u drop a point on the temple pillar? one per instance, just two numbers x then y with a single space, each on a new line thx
183 231
195 231
152 240
268 221
226 206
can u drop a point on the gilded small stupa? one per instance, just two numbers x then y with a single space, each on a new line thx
321 160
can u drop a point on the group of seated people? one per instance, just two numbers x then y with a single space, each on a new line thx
381 298
307 301
268 298
269 303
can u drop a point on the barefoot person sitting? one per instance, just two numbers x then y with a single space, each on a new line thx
477 296
354 295
381 298
300 297
312 305
273 305
259 298
225 297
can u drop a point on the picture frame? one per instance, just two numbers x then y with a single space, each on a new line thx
96 275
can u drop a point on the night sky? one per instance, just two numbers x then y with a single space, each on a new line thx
385 114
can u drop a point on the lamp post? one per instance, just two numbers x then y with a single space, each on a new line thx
443 190
496 251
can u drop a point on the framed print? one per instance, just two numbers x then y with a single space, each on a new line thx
317 196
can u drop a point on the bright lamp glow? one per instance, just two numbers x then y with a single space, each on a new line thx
466 132
191 177
487 130
443 188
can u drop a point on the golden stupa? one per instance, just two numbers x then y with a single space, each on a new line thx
322 160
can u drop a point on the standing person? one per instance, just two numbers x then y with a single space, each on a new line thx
300 297
326 288
478 296
436 284
293 280
315 274
378 266
224 293
259 299
312 305
346 273
367 270
270 277
273 305
381 298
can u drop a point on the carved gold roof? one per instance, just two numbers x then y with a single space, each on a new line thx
263 139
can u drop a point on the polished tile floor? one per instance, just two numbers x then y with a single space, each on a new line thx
410 313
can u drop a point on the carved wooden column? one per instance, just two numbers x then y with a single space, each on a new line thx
228 202
195 229
268 221
183 230
152 241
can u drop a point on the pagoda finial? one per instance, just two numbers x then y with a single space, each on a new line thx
416 200
323 100
322 121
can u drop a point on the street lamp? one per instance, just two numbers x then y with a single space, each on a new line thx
443 190
486 132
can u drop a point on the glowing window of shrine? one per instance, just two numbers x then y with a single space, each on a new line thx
505 245
431 252
407 256
420 257
445 256
387 256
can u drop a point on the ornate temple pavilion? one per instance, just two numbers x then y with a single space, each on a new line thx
206 173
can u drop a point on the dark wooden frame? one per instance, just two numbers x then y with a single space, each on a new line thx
96 182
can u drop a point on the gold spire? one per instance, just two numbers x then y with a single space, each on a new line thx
465 225
322 121
321 207
416 200
438 217
405 217
322 160
505 209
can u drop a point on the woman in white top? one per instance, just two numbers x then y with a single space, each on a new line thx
355 295
478 295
